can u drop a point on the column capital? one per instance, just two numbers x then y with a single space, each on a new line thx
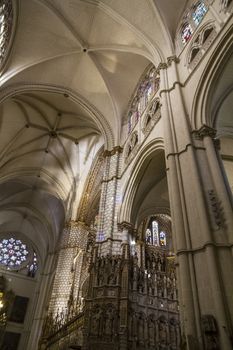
116 149
124 225
162 65
171 59
204 131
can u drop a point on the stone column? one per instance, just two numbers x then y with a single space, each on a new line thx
127 236
70 258
42 293
107 233
218 244
188 299
201 222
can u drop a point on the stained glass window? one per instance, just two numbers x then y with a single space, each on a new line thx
145 91
148 236
191 20
199 12
155 229
162 239
6 18
155 234
33 266
186 33
13 252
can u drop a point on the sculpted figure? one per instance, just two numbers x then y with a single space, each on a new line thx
109 323
151 330
140 329
162 333
96 323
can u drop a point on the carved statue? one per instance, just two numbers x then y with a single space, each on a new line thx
151 331
172 333
96 326
162 332
140 328
109 321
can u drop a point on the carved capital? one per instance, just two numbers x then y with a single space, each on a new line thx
125 226
172 59
116 149
162 65
204 131
73 224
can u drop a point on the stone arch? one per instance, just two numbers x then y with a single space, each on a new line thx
144 155
201 109
200 43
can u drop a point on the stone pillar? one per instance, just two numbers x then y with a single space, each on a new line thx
107 233
127 231
43 292
70 258
201 221
188 300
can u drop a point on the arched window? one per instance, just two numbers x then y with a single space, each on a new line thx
199 11
186 32
191 21
6 20
146 89
155 235
162 239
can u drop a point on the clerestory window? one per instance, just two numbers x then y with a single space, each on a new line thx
146 89
191 21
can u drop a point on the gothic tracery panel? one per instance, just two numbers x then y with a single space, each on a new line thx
147 88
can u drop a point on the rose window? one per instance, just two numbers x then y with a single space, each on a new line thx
13 252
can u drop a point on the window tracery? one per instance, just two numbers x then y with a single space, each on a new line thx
191 21
225 3
147 88
6 20
186 33
200 43
17 256
131 147
155 235
199 11
152 116
13 252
